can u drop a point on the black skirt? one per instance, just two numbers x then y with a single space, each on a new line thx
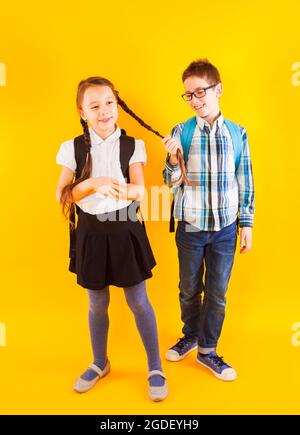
111 250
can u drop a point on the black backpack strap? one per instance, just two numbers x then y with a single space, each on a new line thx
172 220
127 147
143 222
80 151
72 232
72 235
141 214
238 225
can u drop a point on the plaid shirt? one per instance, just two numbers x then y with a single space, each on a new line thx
219 193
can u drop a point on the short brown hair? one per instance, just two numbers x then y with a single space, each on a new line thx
204 69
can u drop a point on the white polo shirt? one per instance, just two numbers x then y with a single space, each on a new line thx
105 163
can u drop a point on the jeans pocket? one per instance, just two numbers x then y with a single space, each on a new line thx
230 229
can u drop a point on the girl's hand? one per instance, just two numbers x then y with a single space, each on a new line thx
108 186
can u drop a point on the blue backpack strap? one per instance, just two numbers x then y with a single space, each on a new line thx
236 136
187 136
234 130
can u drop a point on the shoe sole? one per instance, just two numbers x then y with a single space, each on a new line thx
182 356
158 398
216 374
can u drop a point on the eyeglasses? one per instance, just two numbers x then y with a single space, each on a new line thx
199 93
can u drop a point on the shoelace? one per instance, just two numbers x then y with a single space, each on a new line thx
182 342
218 360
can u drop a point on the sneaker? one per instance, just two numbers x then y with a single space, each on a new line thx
216 365
182 348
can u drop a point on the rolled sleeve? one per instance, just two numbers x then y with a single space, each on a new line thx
172 174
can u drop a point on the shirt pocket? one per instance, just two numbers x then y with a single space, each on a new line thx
226 163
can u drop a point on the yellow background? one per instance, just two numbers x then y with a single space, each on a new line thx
143 47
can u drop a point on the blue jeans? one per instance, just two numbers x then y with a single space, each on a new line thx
203 317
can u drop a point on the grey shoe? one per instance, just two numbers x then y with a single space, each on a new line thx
158 393
217 365
182 348
81 385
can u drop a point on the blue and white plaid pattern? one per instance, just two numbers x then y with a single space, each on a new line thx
218 193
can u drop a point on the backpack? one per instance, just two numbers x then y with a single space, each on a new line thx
186 140
127 147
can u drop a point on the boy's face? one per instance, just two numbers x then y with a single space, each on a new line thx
206 106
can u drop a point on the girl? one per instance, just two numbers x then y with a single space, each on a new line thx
110 249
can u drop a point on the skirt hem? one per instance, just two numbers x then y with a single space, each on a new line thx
114 283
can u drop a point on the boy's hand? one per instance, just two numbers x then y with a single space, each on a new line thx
170 145
245 239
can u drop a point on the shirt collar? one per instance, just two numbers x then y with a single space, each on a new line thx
218 122
97 140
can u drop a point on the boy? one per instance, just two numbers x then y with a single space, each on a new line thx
219 199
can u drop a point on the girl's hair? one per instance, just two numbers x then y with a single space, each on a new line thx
66 199
204 69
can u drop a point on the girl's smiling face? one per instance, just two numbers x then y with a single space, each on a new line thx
99 106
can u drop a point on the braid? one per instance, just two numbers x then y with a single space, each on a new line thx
124 106
86 133
87 169
66 199
139 120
